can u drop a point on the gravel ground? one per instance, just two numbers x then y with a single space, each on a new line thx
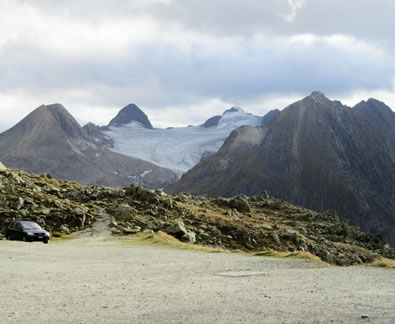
104 280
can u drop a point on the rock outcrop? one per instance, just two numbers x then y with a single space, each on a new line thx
42 199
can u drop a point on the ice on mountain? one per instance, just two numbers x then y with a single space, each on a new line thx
179 148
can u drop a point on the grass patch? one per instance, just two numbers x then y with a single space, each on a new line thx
63 237
297 255
384 263
135 239
352 248
161 238
268 253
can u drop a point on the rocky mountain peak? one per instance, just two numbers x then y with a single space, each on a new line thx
374 108
216 120
129 114
380 115
378 105
233 110
47 120
212 122
270 116
64 120
319 97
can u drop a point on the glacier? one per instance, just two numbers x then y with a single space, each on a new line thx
179 148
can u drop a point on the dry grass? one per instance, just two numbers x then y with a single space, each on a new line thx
63 237
213 215
309 256
297 254
384 263
165 239
352 248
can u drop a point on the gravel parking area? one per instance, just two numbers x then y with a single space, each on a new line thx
90 280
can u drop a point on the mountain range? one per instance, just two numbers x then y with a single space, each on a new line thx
50 140
176 148
129 150
316 153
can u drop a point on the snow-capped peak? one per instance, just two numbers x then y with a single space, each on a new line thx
233 110
236 117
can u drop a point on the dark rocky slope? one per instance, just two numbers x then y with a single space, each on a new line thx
381 116
316 153
255 224
50 140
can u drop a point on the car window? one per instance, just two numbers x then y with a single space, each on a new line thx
31 225
17 226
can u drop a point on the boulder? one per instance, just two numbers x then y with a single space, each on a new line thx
64 229
289 235
144 222
232 213
261 196
240 203
275 238
123 212
176 229
189 237
266 226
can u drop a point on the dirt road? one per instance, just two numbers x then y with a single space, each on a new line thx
106 280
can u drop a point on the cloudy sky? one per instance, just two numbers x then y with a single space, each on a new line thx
183 61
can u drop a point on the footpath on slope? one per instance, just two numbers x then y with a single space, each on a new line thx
99 230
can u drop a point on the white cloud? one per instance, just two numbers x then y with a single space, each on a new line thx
295 6
183 115
69 38
184 61
356 96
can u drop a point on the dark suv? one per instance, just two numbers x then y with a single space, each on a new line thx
27 231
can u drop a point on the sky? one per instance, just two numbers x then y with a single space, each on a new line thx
183 61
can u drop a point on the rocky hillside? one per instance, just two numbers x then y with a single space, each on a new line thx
252 224
316 153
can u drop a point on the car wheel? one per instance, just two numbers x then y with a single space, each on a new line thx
8 237
25 239
45 241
